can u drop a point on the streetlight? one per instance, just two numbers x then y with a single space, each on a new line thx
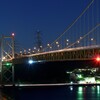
48 44
57 42
13 34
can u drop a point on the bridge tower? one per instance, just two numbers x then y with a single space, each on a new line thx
38 41
7 56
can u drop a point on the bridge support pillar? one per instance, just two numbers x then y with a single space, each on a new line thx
7 74
6 62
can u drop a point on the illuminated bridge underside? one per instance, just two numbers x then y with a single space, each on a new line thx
82 53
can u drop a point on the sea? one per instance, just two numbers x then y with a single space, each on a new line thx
48 73
51 93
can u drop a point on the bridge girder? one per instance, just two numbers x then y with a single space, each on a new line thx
76 54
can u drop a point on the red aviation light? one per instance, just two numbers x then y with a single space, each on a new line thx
98 58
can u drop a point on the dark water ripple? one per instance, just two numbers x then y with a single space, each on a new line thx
51 93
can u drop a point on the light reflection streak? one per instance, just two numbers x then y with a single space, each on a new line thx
80 93
98 92
71 88
98 89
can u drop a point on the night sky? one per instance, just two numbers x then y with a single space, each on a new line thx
50 17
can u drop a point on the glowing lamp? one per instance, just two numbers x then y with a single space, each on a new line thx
13 34
30 61
8 64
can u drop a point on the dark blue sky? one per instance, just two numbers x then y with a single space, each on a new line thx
25 17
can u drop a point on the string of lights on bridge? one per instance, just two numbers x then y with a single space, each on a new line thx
50 48
29 52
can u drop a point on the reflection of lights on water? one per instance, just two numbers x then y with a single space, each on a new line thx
80 89
93 89
80 93
71 88
98 90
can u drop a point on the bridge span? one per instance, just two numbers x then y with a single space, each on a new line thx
79 53
58 61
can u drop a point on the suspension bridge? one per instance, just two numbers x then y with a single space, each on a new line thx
79 41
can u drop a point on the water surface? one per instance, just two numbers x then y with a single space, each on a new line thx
51 93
